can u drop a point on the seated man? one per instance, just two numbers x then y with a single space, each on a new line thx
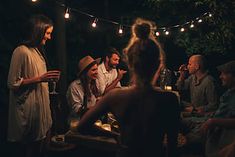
220 128
108 76
200 84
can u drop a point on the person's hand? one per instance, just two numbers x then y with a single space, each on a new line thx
188 109
200 111
121 73
209 124
183 68
53 75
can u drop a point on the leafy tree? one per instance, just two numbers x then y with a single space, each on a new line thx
215 35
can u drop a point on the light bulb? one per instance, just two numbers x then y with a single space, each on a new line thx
157 34
192 25
66 15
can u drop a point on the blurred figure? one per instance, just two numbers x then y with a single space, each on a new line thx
220 128
145 114
82 92
108 76
29 105
200 85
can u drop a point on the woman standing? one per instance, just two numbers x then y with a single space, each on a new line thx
29 104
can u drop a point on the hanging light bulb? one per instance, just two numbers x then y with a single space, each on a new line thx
182 29
210 15
34 0
94 23
191 25
66 15
167 32
157 34
120 30
200 21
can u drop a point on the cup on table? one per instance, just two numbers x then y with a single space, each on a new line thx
74 125
168 88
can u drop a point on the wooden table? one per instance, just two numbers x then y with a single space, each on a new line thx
91 141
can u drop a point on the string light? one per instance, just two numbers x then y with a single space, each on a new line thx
94 23
66 15
120 30
182 29
166 32
191 25
157 34
165 29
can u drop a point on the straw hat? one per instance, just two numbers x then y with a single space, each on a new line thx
85 62
228 67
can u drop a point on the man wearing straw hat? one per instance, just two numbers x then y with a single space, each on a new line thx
82 92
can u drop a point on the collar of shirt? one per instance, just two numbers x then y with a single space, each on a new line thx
197 81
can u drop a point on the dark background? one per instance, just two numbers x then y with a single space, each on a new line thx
74 38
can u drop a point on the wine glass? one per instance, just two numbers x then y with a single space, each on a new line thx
53 92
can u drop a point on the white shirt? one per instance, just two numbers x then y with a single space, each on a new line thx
105 78
29 106
75 98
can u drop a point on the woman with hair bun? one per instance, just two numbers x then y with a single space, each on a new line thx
145 114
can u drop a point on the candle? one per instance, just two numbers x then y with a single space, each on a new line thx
74 125
106 127
98 123
169 88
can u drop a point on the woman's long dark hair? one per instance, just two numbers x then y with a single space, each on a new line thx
88 89
36 29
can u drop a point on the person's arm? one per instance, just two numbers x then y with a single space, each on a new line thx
16 78
228 123
116 82
75 97
88 119
157 74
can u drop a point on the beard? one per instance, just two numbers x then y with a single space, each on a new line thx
112 65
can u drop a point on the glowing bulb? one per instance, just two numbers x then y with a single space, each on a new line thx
94 23
192 25
200 20
34 0
157 34
167 32
66 15
210 15
120 30
182 29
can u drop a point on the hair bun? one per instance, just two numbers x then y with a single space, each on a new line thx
142 31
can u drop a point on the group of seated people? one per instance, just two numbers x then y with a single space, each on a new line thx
146 114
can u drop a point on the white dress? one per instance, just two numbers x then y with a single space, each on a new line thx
29 105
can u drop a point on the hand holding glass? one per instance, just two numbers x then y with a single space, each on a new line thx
53 76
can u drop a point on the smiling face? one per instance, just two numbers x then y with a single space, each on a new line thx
92 73
227 79
113 61
47 35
